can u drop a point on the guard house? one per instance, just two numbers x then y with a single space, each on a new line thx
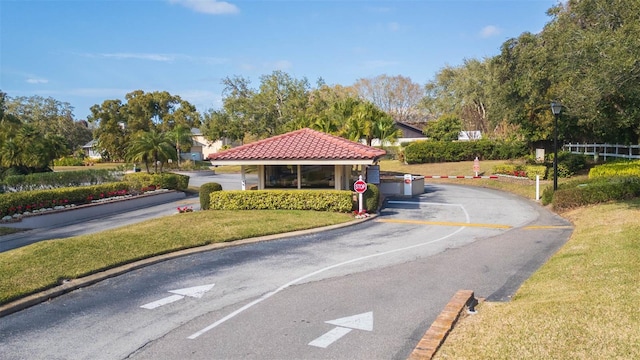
302 159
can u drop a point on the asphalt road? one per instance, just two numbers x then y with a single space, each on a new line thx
196 178
367 291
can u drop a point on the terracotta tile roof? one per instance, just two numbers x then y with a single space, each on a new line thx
303 144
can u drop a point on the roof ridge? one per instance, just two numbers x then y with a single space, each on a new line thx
301 144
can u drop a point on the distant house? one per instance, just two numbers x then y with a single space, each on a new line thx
469 135
89 150
409 131
202 148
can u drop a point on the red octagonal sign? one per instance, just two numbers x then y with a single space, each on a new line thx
360 186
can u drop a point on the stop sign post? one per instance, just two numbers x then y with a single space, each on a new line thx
360 186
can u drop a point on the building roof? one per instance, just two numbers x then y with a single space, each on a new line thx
304 146
406 126
90 144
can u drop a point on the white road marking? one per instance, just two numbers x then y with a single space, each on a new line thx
163 301
361 321
295 281
194 292
329 337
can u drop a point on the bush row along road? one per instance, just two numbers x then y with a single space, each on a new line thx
75 228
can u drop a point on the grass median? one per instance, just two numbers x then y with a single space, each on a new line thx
45 264
582 304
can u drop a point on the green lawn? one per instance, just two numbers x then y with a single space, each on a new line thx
522 187
582 304
45 264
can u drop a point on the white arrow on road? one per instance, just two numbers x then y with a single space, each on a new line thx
344 325
194 292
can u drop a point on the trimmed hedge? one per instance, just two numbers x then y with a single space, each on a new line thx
169 181
371 198
205 194
528 171
420 152
54 180
329 200
68 161
19 202
618 168
579 193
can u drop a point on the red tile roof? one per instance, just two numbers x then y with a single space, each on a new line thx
303 144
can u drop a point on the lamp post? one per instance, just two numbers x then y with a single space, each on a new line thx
555 109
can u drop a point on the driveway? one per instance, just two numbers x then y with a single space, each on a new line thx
378 284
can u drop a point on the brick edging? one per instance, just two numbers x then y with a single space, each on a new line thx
440 328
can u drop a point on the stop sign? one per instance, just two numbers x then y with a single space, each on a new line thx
360 186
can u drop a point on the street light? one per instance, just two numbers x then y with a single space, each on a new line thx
555 109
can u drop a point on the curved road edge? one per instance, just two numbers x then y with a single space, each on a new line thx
71 285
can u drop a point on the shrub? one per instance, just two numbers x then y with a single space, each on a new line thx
420 152
68 161
205 191
169 181
618 168
547 195
568 164
19 202
53 180
371 198
579 193
329 200
533 170
521 170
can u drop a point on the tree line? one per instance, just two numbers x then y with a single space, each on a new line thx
586 57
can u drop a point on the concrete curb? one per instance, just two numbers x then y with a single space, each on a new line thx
70 285
442 326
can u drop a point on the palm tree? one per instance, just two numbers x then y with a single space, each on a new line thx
326 123
54 146
384 129
368 122
360 124
181 136
9 154
151 146
31 153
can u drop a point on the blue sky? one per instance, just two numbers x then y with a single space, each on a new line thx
86 51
